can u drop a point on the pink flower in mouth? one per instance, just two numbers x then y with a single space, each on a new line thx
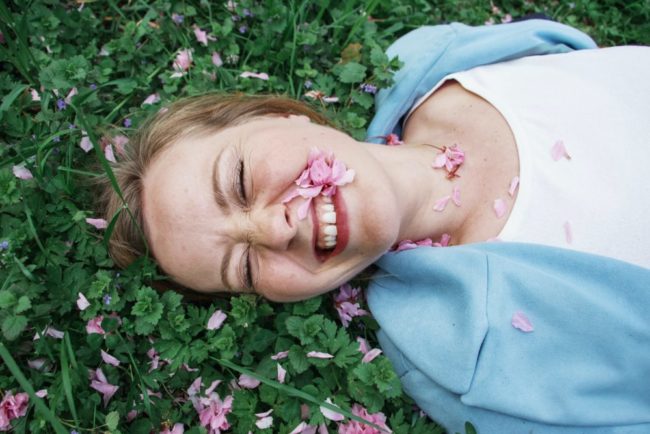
323 174
451 158
347 304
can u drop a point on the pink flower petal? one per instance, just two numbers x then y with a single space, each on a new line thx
21 172
41 393
441 203
95 326
281 355
216 59
319 355
35 95
303 209
119 142
370 355
108 153
330 414
151 99
513 186
216 320
439 161
444 241
68 98
201 36
568 233
282 373
36 364
249 74
82 302
558 151
248 382
85 144
264 422
500 208
363 345
107 358
299 428
330 99
521 322
455 195
183 61
97 223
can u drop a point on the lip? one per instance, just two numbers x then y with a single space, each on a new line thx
342 227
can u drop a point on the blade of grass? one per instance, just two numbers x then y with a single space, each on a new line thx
292 391
111 226
67 384
27 387
11 97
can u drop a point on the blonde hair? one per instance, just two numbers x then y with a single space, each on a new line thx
199 114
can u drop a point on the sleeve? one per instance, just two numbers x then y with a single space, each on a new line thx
432 52
446 324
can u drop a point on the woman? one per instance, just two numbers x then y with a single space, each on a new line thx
245 194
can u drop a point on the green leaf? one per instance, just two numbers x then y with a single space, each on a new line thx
23 304
112 420
13 325
11 97
7 299
469 428
351 72
307 307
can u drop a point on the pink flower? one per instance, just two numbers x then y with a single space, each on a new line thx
322 176
51 332
506 18
99 382
558 151
451 158
444 241
35 95
441 203
178 428
182 62
248 382
12 407
151 99
260 75
363 345
354 427
455 195
500 208
97 223
319 355
154 358
371 355
521 322
513 186
109 154
216 320
107 358
82 302
201 35
95 326
282 373
408 244
346 303
214 411
317 94
21 172
281 355
264 420
331 414
120 142
36 364
68 98
41 393
393 140
216 59
85 143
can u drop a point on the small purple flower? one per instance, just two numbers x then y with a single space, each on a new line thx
178 19
61 104
235 18
308 84
93 86
127 123
4 245
368 88
247 12
56 139
243 29
107 299
71 126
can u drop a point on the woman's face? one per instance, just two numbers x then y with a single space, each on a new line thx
211 233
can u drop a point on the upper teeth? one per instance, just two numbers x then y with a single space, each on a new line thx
327 225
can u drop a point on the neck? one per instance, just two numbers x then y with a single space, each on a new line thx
418 188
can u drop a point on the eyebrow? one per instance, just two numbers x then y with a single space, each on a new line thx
220 199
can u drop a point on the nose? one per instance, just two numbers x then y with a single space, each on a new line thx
271 227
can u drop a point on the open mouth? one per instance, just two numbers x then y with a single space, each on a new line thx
331 231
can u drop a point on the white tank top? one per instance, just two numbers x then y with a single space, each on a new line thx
597 103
